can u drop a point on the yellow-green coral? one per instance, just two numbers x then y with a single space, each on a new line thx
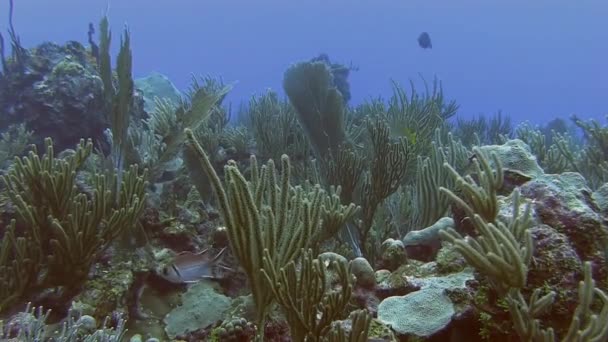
268 221
308 305
65 228
264 214
478 197
502 251
68 67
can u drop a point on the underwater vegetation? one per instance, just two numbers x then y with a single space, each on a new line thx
132 211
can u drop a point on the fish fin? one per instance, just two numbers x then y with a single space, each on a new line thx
190 281
192 253
226 268
207 276
183 253
218 257
202 252
189 257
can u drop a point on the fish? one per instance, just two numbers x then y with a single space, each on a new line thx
189 268
424 40
405 132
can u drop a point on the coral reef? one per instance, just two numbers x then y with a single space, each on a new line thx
380 222
59 94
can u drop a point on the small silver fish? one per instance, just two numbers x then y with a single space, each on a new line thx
189 268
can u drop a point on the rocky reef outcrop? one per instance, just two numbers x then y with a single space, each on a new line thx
57 91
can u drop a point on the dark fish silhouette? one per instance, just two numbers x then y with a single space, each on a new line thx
424 40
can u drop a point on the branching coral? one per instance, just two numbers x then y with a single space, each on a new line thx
118 100
560 151
478 197
546 148
389 136
19 53
481 130
77 327
417 116
346 169
19 266
387 169
335 216
275 128
163 136
65 229
429 204
237 139
503 252
586 324
265 217
592 161
13 142
319 106
309 306
360 328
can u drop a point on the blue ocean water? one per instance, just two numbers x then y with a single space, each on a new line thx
534 60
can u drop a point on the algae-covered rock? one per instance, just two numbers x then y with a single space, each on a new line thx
423 244
57 93
201 306
364 272
392 284
392 254
600 196
565 203
329 259
157 85
515 155
557 267
428 235
110 287
449 260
